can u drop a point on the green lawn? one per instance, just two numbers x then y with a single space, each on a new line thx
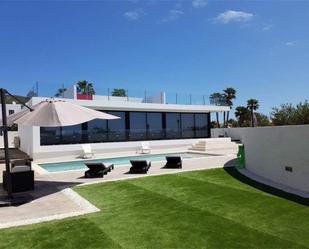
202 209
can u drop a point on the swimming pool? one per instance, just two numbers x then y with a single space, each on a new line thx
76 165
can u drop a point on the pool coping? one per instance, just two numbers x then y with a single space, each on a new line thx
44 171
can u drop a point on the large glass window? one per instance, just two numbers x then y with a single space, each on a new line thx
201 125
117 127
140 125
50 135
97 131
137 126
173 126
71 134
187 125
154 125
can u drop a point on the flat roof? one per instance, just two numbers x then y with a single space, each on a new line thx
135 106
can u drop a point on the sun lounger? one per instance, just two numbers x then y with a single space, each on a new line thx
174 162
140 166
87 151
98 169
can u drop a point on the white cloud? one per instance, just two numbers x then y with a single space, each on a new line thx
199 3
173 15
290 43
267 27
233 16
134 15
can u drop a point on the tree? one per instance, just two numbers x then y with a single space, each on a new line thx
289 114
252 105
216 99
119 92
229 94
60 92
262 120
233 123
242 114
85 87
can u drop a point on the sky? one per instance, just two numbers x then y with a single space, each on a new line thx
261 48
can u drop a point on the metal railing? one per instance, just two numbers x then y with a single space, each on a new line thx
131 95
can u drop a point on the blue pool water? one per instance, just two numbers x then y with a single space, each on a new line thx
76 165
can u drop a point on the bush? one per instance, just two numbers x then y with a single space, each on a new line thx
289 114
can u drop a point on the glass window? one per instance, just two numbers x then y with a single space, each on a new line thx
11 112
173 125
201 125
50 135
97 131
154 125
117 127
187 125
137 126
71 134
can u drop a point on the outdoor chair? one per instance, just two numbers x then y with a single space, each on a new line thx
87 151
22 176
98 169
174 162
140 166
145 148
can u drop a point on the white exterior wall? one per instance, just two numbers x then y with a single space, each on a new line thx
33 148
70 93
11 136
159 98
30 136
233 133
116 98
135 106
270 149
14 107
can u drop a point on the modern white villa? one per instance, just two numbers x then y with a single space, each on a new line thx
141 119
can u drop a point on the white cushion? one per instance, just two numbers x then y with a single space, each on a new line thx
21 168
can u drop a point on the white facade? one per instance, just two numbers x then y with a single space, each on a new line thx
11 109
30 136
269 150
124 105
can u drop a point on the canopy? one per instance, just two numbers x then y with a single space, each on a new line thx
53 113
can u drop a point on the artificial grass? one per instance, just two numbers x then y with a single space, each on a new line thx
202 209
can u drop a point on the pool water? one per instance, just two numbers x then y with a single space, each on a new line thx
76 165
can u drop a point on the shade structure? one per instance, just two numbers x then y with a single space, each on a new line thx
53 113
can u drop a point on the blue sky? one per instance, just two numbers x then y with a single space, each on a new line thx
261 48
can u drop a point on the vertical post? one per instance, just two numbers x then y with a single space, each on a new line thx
127 95
37 89
108 93
145 96
62 90
204 99
6 143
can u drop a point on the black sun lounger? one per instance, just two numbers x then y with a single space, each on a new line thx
140 166
174 162
98 169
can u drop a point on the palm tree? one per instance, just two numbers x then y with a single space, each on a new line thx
230 95
119 92
252 105
85 87
60 92
216 99
241 113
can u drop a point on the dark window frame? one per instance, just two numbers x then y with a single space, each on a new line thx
127 128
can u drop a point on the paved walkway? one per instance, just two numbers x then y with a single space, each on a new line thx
53 197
